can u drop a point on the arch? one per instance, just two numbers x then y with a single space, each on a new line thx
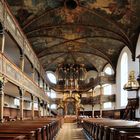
91 74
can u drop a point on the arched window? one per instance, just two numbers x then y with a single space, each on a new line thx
124 78
52 94
108 70
35 105
51 77
53 106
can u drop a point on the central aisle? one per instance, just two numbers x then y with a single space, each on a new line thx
70 131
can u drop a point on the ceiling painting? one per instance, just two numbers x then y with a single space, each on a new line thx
89 32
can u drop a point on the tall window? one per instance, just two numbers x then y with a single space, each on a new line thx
52 94
107 105
16 102
124 78
107 89
51 77
35 105
53 106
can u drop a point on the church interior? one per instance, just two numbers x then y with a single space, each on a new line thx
70 69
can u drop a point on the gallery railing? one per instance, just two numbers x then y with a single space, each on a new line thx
13 74
10 24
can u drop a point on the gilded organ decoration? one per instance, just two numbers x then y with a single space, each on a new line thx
71 103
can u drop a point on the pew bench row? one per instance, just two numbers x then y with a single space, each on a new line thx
108 129
38 129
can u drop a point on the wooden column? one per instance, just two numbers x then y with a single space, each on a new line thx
2 41
101 104
22 62
32 107
21 92
43 108
92 103
1 98
92 111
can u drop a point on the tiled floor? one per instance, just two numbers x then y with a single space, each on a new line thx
69 131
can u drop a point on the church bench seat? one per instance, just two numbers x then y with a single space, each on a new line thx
121 133
99 129
45 129
30 135
126 135
12 137
134 137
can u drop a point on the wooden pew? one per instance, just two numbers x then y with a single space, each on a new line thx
12 137
39 129
122 133
99 129
126 135
134 138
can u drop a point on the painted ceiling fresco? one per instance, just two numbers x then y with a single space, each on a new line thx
90 32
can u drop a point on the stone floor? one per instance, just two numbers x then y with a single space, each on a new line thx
69 131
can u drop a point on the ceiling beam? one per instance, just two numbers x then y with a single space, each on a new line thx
40 28
108 60
76 39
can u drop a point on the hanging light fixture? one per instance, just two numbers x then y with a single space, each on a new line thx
132 83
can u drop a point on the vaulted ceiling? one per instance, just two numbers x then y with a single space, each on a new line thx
89 32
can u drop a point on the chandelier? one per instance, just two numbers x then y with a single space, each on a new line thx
71 76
